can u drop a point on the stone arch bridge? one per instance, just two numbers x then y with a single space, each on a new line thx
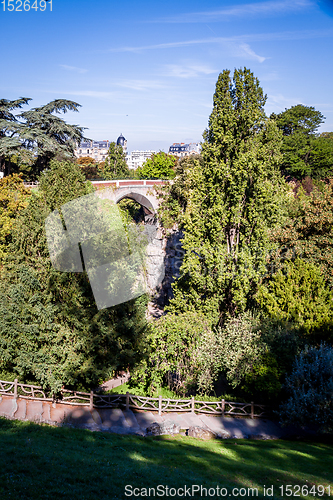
163 251
142 191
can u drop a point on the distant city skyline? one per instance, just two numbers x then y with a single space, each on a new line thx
149 71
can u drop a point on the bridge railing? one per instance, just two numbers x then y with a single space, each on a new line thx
134 402
116 183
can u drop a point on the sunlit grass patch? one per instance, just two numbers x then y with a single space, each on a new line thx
44 462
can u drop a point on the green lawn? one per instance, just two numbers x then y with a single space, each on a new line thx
43 462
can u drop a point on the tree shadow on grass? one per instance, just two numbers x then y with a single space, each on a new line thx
42 462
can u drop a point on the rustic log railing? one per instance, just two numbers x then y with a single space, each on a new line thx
138 403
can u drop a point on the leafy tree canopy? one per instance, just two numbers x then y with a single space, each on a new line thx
310 386
50 328
298 294
304 152
115 166
307 233
37 135
89 167
14 197
174 196
299 118
173 354
160 166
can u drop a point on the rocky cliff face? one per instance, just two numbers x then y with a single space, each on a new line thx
164 259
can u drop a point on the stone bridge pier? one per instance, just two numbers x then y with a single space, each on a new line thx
164 253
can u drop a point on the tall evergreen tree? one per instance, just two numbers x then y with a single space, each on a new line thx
115 166
9 129
37 134
234 201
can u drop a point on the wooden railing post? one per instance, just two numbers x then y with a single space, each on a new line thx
192 404
15 388
223 407
252 409
91 402
127 401
159 405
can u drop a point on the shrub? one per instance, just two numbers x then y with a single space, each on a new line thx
172 353
311 389
298 294
246 357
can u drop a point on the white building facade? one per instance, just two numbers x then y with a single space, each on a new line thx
181 149
136 159
97 150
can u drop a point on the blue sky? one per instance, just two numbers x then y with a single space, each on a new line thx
148 69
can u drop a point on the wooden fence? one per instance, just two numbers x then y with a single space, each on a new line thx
139 403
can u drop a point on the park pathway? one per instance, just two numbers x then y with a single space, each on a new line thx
127 422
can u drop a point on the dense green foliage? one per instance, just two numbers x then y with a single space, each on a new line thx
188 355
298 294
304 152
13 198
310 386
173 354
299 118
241 348
243 227
89 167
9 142
236 196
160 166
174 196
31 139
50 328
115 166
307 233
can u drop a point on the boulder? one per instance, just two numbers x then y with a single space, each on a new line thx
201 433
168 427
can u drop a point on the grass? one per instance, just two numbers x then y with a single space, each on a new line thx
44 462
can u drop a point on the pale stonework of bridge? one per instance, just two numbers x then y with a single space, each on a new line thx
141 191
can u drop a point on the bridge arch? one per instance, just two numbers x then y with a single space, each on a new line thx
139 198
142 191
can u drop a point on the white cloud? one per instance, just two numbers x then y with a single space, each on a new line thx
246 50
257 37
188 70
251 9
73 68
282 102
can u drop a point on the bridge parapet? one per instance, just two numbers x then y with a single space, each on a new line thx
128 182
138 190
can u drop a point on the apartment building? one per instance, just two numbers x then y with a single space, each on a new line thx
97 150
181 149
136 159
